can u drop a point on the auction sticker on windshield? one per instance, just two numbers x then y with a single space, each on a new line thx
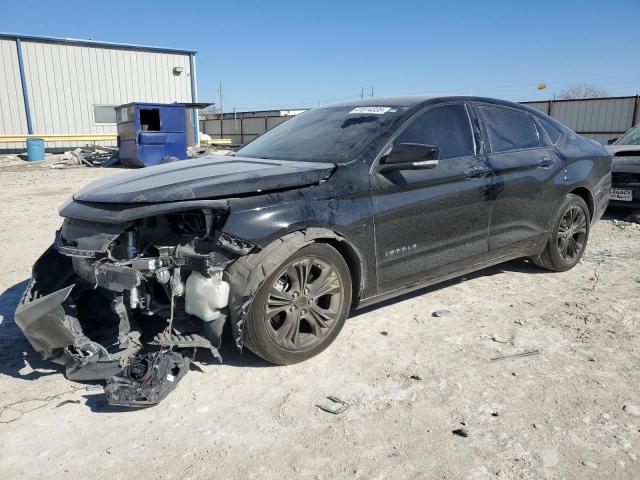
374 110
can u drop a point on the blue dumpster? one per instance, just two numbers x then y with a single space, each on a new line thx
151 133
35 149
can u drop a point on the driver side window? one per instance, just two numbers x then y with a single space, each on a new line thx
446 127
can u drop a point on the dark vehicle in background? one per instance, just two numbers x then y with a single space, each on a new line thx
625 169
340 207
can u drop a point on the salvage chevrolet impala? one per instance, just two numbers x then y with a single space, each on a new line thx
340 207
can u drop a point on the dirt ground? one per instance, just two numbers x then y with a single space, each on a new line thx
411 379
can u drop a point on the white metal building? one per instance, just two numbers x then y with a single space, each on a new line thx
64 90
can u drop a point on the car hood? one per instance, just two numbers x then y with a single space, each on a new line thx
206 177
624 158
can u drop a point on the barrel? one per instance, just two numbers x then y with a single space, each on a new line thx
35 149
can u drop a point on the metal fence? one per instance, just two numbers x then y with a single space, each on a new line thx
240 130
597 118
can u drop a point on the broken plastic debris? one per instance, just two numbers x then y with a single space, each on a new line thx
335 411
148 380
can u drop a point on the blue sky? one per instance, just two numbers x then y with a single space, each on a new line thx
295 53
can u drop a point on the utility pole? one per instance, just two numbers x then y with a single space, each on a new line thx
221 119
362 92
220 94
371 92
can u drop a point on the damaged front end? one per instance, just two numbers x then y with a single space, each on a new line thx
131 302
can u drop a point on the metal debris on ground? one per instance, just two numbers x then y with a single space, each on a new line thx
65 402
441 313
498 339
96 156
88 156
517 355
343 406
200 151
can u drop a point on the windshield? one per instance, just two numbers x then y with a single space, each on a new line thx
334 134
632 137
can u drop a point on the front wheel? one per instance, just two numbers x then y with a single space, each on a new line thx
568 238
301 307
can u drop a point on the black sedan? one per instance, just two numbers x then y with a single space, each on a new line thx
625 169
340 207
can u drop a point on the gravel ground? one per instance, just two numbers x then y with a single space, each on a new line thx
412 379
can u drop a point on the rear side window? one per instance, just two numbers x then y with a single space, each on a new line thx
509 129
446 127
550 129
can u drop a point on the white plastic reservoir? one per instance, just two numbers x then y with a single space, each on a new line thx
204 296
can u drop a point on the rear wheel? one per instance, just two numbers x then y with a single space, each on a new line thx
568 238
301 307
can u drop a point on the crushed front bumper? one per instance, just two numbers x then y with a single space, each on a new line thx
86 329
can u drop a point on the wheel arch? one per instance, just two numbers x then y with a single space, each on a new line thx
587 196
353 260
247 273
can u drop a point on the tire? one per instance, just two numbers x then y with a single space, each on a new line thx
287 323
568 237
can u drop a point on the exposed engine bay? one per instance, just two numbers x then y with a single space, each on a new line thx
132 302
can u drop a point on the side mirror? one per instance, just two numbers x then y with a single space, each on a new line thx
612 140
410 156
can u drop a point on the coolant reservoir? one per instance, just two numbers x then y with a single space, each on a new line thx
204 296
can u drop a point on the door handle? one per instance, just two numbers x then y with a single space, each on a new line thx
545 162
476 172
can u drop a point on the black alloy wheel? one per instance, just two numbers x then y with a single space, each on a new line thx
303 303
568 237
301 307
572 234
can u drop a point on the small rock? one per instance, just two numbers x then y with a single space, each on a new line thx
385 333
495 414
416 377
589 464
633 410
536 426
515 374
461 432
441 313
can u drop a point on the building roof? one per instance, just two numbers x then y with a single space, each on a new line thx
93 43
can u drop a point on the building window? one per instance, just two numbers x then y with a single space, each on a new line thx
104 114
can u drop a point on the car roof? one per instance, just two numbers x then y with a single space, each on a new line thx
413 100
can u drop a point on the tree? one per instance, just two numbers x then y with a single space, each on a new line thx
582 90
